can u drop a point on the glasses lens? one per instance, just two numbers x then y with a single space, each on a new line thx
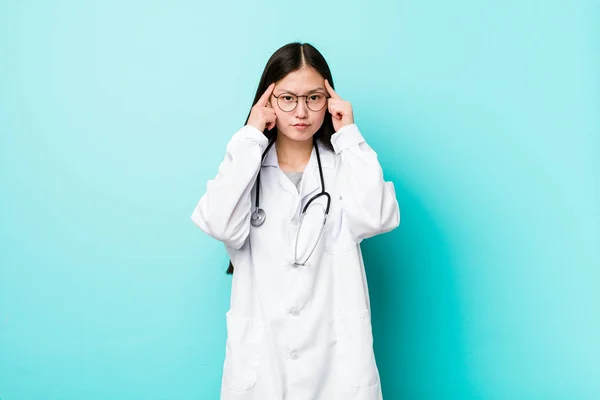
287 102
316 101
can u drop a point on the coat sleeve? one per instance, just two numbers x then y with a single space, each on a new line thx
224 209
369 204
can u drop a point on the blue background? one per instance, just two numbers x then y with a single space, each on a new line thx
485 115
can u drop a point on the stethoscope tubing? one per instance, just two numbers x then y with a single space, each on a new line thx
259 215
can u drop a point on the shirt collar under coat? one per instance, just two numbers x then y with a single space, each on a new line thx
311 181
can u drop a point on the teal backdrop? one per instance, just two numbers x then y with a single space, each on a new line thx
485 115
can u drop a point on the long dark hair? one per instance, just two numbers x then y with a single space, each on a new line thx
290 58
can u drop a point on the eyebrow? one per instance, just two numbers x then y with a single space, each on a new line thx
310 91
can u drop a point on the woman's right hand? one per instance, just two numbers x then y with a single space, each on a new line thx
262 114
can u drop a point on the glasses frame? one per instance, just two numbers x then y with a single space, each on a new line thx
305 100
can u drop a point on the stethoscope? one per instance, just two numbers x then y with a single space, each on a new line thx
258 216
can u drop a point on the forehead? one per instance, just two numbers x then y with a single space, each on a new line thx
301 80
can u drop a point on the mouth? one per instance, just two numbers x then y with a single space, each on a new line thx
300 126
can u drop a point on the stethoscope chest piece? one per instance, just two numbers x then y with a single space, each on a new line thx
258 217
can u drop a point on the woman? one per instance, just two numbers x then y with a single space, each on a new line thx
299 325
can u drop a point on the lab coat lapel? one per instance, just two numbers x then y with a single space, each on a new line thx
311 179
271 160
310 183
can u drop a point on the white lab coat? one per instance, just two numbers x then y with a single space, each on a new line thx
298 332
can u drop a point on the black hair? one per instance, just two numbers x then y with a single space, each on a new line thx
289 58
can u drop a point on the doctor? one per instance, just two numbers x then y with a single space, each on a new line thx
298 190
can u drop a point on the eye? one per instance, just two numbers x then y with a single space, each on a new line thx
315 97
287 98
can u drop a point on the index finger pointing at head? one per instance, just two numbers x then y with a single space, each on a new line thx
332 92
265 97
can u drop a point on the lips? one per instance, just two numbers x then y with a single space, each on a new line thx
300 125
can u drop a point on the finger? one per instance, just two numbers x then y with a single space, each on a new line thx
266 96
334 113
269 106
333 107
332 92
335 102
271 119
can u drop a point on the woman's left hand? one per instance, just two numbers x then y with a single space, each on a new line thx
341 110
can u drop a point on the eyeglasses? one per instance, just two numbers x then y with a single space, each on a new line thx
315 102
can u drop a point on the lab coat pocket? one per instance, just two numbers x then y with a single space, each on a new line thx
355 357
337 235
243 350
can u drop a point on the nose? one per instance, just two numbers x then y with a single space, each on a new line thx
301 110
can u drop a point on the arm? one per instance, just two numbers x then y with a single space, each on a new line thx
224 210
368 202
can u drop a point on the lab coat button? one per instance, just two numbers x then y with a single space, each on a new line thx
294 356
294 311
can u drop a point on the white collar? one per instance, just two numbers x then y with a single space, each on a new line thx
326 156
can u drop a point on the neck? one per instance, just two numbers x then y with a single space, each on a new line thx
293 155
